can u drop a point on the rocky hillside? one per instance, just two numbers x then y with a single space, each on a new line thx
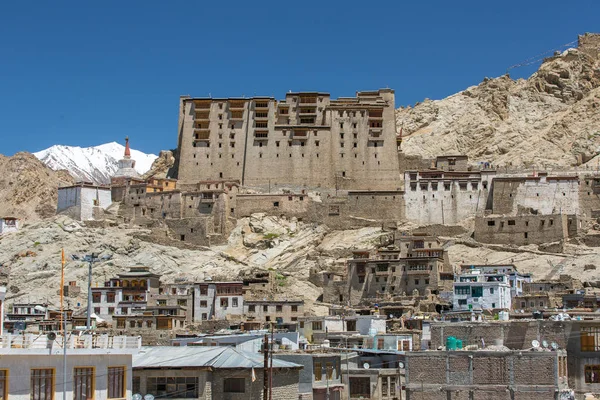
550 119
30 259
29 188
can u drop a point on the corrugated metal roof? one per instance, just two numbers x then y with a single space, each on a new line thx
209 357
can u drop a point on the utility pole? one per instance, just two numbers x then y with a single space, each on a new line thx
266 367
271 366
89 304
64 327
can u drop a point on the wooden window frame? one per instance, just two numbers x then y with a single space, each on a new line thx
75 382
4 379
123 383
52 383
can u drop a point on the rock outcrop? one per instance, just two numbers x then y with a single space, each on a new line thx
551 119
29 188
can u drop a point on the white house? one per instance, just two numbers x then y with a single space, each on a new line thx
83 201
515 278
9 224
478 291
218 300
98 367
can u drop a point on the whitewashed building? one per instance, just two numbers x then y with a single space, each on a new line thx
515 278
477 290
83 201
9 224
218 300
98 367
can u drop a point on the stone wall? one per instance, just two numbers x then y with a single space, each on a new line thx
483 374
306 140
525 229
544 194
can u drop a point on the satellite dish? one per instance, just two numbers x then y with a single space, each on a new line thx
535 344
148 397
136 396
51 335
554 346
400 364
544 344
366 366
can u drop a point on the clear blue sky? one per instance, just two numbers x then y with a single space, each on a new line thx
85 73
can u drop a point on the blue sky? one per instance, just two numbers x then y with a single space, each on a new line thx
86 73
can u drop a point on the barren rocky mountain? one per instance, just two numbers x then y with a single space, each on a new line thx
550 119
29 188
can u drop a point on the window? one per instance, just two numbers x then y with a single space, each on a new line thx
234 302
492 290
317 367
511 222
317 326
329 370
42 384
116 382
204 316
592 374
416 281
278 308
182 302
234 385
265 308
360 387
462 290
252 308
225 302
294 308
590 339
462 302
83 383
169 387
477 291
3 384
203 303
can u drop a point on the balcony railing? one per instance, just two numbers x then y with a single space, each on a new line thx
30 341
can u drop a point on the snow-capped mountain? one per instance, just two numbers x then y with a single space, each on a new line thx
92 164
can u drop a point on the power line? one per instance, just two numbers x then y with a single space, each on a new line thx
539 57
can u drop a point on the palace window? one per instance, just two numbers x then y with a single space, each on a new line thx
590 339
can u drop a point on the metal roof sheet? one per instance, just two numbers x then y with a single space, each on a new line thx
209 357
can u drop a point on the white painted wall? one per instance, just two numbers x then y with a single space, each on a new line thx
495 295
19 371
78 201
548 196
7 226
2 297
365 323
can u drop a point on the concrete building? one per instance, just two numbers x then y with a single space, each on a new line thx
9 224
207 373
98 367
218 301
126 294
518 281
482 290
339 329
307 140
320 377
83 201
487 375
279 311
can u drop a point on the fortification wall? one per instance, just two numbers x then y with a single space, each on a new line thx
525 229
545 195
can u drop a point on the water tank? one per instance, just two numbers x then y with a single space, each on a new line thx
459 344
450 343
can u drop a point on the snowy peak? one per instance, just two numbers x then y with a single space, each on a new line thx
93 164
